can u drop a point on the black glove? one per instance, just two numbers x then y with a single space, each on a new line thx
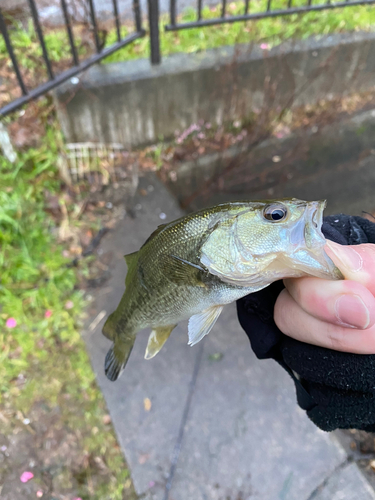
336 389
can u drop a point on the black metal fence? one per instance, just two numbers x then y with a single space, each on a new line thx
77 66
271 8
247 15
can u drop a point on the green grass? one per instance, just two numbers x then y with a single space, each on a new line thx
34 278
47 351
272 30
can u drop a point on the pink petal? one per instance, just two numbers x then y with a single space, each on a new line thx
48 313
26 476
11 323
69 304
280 135
264 46
77 498
39 493
151 484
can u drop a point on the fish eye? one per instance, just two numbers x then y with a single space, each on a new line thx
275 213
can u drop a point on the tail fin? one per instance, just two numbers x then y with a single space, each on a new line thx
117 358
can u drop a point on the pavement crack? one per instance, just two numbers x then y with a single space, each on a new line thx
180 436
325 481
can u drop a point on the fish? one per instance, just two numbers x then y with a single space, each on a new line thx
192 267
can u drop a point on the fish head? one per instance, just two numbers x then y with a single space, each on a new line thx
268 241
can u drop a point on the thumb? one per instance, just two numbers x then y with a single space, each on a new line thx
357 263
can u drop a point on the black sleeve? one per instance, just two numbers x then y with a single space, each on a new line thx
336 389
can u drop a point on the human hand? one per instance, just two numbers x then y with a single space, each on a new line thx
334 384
338 315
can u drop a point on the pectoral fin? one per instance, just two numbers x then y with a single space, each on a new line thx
182 272
200 324
157 339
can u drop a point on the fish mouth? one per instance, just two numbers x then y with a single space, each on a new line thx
315 213
316 240
313 222
316 218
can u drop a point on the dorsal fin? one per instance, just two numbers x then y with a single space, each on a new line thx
109 329
130 258
155 233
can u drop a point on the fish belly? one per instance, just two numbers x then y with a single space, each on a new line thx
171 309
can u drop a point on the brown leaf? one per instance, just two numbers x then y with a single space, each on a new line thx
143 458
107 419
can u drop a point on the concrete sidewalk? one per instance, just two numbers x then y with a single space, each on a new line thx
222 425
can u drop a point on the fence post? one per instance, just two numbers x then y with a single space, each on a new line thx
153 22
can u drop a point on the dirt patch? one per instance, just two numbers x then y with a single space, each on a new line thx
45 446
360 446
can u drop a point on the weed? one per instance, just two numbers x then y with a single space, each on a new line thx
274 30
40 318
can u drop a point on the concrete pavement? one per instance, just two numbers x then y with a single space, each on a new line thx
222 424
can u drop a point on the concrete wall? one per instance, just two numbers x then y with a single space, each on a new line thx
134 103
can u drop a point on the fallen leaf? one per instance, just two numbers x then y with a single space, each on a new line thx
147 404
106 419
217 356
143 458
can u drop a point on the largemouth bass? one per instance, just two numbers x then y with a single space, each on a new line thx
192 267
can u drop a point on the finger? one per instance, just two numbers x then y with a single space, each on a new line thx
356 263
297 323
346 303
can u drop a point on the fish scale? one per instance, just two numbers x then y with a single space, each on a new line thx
192 267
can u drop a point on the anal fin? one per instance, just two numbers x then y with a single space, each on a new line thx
157 339
200 324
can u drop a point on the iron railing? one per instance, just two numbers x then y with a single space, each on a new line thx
248 14
77 66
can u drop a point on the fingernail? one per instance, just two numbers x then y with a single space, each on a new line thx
351 311
349 257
